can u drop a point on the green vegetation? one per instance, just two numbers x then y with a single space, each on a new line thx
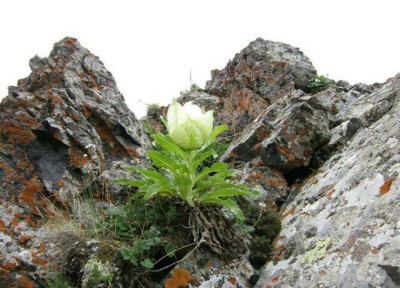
174 207
152 109
57 280
139 253
176 173
146 222
195 87
265 226
98 274
317 83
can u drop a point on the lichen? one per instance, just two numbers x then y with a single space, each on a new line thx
318 252
386 186
98 274
180 278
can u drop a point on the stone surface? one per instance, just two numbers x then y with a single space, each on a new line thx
285 135
259 75
64 127
270 182
342 227
205 270
269 69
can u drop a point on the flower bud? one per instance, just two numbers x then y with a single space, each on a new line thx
189 126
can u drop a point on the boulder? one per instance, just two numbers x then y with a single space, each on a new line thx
285 135
65 128
269 69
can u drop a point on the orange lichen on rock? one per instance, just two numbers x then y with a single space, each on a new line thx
291 211
2 226
24 239
25 282
232 280
32 187
180 278
15 133
7 267
77 160
386 186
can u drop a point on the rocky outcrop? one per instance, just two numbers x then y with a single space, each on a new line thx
260 74
341 229
65 128
284 135
269 69
328 161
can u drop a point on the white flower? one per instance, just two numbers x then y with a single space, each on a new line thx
189 126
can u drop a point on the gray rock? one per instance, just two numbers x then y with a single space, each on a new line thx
206 270
65 128
284 135
353 201
269 69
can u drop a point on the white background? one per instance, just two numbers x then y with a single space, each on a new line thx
151 46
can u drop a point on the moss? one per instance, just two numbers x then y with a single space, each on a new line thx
266 226
108 251
152 109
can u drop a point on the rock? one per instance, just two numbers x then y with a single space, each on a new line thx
341 95
270 182
358 108
269 69
259 75
65 128
342 227
285 135
328 162
205 269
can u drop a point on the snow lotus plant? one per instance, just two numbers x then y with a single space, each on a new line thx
179 162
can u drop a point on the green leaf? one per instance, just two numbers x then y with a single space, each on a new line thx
200 158
228 192
170 249
216 167
148 127
129 182
152 190
160 160
166 143
152 174
164 121
147 263
218 130
127 254
228 203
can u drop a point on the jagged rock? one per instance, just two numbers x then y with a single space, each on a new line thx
285 135
259 75
63 128
269 69
270 182
349 110
342 227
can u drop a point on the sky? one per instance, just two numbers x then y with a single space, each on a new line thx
152 47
